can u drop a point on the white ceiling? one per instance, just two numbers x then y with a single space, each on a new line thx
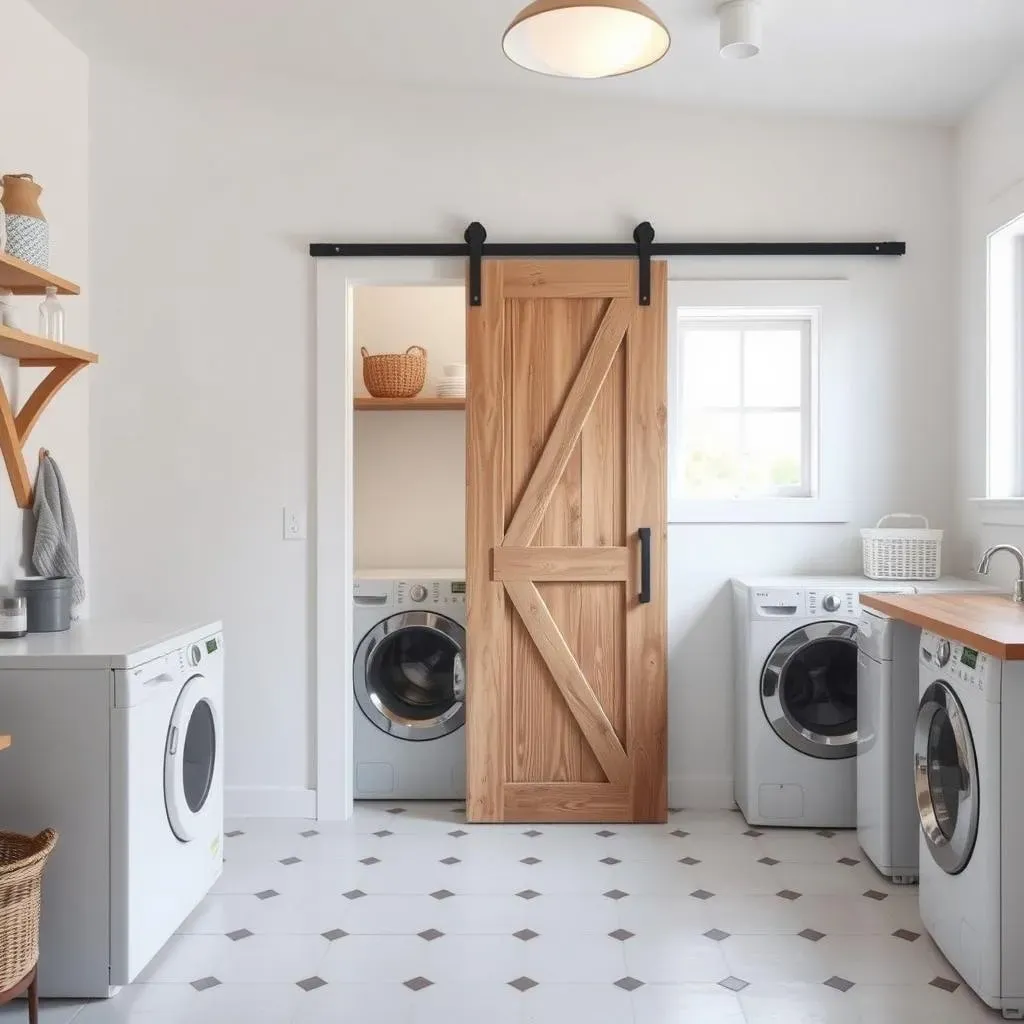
919 59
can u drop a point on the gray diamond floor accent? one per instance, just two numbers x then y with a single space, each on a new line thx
369 860
450 861
383 833
826 833
530 860
354 894
629 984
753 833
616 894
610 860
533 833
458 833
679 833
906 935
811 934
840 984
621 934
734 984
311 984
442 894
334 934
232 834
418 984
523 984
396 810
238 934
689 861
848 861
202 984
945 984
874 894
267 894
288 861
460 809
716 934
309 833
701 894
770 861
788 894
604 833
430 934
528 894
525 934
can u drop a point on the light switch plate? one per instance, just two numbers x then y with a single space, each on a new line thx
294 522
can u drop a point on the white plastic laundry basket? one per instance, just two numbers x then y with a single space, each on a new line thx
902 553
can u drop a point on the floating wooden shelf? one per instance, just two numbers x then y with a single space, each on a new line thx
31 350
364 403
25 279
5 742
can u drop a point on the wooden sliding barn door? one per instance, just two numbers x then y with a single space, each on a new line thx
566 682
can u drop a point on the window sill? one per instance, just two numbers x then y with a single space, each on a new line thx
1000 511
763 511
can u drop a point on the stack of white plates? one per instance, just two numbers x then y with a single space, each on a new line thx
454 383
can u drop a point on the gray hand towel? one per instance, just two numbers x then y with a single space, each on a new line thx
55 552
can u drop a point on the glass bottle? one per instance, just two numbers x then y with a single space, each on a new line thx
51 317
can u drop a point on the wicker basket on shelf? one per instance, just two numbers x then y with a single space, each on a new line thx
396 375
22 859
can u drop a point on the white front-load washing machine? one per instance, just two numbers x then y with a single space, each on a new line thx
968 767
796 698
409 686
117 744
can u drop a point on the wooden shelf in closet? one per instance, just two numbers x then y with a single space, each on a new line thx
364 403
25 279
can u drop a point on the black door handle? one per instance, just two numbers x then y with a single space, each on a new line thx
644 533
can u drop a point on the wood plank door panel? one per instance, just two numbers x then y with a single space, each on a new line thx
566 677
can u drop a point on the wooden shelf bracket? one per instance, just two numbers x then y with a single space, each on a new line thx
15 429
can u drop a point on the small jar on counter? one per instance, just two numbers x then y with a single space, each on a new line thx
13 617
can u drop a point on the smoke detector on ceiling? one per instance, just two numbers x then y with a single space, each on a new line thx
739 28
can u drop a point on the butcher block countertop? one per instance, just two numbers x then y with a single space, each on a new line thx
992 623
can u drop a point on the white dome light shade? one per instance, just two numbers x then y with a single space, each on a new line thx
740 29
586 38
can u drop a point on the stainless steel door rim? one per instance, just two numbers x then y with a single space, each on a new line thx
946 778
392 712
783 718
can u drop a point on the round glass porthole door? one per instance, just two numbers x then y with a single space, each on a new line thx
946 778
409 676
190 757
809 690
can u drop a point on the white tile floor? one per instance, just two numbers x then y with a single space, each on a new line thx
406 914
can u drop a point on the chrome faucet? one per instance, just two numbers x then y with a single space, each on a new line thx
1018 586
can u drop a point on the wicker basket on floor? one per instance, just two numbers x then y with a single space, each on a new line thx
22 859
399 375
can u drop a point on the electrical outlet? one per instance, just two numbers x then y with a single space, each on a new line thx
294 523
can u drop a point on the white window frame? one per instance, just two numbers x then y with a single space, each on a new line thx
822 303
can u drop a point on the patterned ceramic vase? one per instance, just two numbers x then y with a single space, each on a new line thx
28 234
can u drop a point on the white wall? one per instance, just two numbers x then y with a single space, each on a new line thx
204 305
410 467
47 136
990 150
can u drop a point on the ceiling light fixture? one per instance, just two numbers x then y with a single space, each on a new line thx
586 38
740 28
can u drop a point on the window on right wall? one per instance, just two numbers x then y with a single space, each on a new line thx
1005 384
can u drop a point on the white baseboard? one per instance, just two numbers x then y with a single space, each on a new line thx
269 802
701 792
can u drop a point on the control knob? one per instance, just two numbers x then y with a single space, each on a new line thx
418 592
831 603
194 655
942 653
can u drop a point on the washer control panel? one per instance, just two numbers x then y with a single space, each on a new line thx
430 592
964 665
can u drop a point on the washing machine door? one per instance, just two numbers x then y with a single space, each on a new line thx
809 689
190 757
946 778
409 676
